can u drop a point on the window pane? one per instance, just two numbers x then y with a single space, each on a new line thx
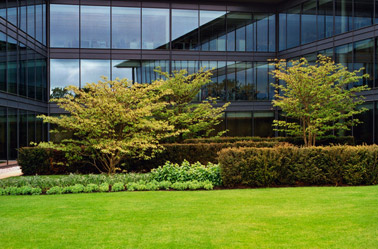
126 28
272 33
31 20
3 9
216 88
31 127
64 26
3 133
3 62
39 22
155 28
263 122
12 12
31 73
22 15
23 58
343 17
23 125
125 69
213 30
363 132
293 23
363 13
236 30
92 70
239 124
62 74
185 29
95 36
12 134
282 31
262 80
325 19
12 65
364 57
308 22
39 81
262 32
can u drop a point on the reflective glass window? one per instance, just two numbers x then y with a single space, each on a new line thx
308 22
213 30
44 25
125 69
262 35
22 15
343 16
344 55
3 9
63 72
3 62
23 58
31 19
3 133
262 81
38 129
95 36
325 19
23 126
92 70
363 13
293 24
263 124
364 57
155 28
282 31
39 22
39 64
272 33
185 29
231 84
31 73
216 88
12 65
12 134
12 12
126 28
31 127
64 26
363 133
239 124
147 70
236 30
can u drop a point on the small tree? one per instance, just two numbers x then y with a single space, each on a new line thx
111 121
194 119
317 96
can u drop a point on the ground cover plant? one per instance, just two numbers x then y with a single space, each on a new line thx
314 217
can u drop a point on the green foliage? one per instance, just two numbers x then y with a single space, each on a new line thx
293 166
317 97
164 185
118 186
187 172
58 92
180 185
111 121
191 119
90 188
75 189
24 190
104 187
55 191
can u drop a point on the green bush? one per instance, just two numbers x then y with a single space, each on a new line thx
117 187
55 191
294 166
180 185
187 172
164 185
91 188
104 187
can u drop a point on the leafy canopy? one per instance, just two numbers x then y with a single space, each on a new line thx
318 98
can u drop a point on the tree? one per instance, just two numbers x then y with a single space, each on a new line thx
193 119
111 121
319 97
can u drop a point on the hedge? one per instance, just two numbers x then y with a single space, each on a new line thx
295 166
40 161
325 140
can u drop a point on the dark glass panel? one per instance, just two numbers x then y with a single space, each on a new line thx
344 55
44 25
31 73
262 32
125 69
23 76
364 57
216 88
262 80
363 13
237 22
343 16
31 127
325 19
308 22
31 18
12 134
92 70
63 73
213 30
272 33
241 86
148 73
44 79
38 130
39 75
23 126
363 133
239 124
3 62
39 21
3 9
12 65
64 26
12 12
3 133
185 29
126 28
95 36
22 14
271 80
293 24
231 81
155 28
263 124
282 31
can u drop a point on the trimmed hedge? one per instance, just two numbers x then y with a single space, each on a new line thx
325 140
293 166
34 160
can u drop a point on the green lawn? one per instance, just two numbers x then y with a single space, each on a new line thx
323 217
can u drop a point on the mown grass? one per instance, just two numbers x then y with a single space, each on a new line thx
313 217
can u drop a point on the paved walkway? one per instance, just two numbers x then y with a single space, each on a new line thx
10 171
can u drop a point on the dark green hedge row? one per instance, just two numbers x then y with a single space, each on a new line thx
46 161
326 140
293 166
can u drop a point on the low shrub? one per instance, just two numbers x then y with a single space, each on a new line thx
117 187
164 185
55 191
294 166
104 187
187 172
91 188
